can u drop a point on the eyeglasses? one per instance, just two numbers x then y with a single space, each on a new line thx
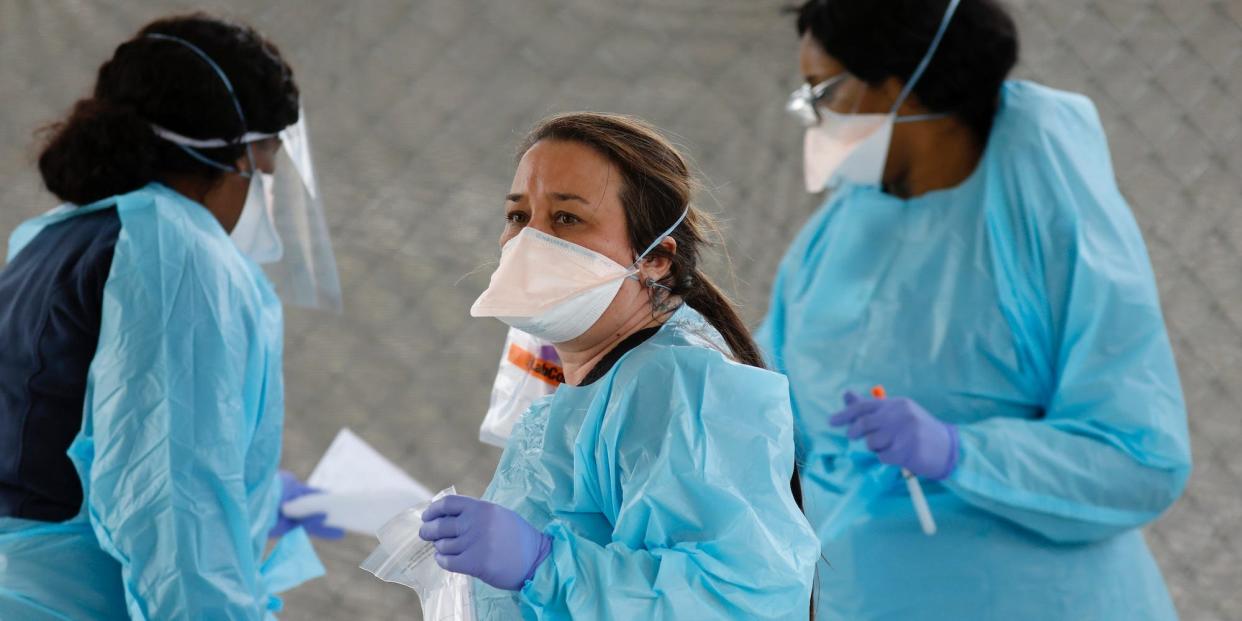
804 101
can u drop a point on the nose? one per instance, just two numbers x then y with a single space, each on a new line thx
541 219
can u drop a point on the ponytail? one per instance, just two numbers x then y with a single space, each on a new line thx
106 145
704 296
101 150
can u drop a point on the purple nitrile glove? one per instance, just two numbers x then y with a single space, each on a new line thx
901 433
484 540
313 524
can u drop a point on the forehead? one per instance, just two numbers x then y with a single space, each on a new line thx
561 162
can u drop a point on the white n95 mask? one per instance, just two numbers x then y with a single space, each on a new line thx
850 147
550 288
553 289
255 232
846 147
854 147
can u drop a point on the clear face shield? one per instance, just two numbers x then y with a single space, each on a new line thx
282 225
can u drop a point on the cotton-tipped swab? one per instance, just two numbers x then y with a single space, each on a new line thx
921 509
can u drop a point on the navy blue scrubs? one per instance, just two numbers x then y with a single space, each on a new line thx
51 295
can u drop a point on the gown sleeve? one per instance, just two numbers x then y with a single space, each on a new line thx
1111 451
770 336
163 451
695 461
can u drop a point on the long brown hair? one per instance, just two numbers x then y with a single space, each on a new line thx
657 187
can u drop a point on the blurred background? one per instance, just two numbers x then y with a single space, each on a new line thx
416 107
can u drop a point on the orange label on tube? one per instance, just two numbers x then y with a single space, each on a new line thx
544 370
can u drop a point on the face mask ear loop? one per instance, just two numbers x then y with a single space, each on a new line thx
634 268
931 51
254 167
661 237
228 85
652 284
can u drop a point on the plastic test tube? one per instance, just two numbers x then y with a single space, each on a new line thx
912 485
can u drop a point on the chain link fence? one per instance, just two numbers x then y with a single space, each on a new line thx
415 108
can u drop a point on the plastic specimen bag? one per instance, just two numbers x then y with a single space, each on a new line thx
529 369
405 558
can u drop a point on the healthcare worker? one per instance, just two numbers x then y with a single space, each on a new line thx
655 483
141 403
976 258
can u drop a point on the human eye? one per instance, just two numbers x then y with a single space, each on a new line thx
564 218
517 217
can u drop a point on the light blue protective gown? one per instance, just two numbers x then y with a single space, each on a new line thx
1020 306
665 488
180 440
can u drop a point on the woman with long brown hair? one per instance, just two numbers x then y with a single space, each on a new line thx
655 483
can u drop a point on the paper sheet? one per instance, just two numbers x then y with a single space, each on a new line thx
361 489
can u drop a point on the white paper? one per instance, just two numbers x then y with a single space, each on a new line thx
361 489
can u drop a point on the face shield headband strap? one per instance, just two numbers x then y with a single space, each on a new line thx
931 51
187 144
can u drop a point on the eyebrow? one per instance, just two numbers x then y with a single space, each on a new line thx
558 196
563 196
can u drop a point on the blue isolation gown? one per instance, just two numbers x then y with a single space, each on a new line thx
665 488
180 438
1020 306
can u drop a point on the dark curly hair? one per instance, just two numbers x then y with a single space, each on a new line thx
106 145
879 39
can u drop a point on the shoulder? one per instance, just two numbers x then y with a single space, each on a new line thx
174 227
179 237
661 382
78 243
1050 150
812 234
1047 139
177 253
1034 115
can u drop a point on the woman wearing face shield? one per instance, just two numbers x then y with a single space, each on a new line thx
655 483
141 404
976 258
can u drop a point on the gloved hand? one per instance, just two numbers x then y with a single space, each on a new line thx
901 433
484 540
290 488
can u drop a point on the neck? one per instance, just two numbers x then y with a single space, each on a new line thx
223 197
577 359
189 186
941 155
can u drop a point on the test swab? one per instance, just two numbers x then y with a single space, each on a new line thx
912 486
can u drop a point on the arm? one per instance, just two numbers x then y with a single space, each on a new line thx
804 250
771 333
163 451
1111 452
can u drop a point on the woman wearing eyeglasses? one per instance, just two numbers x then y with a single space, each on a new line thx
976 258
